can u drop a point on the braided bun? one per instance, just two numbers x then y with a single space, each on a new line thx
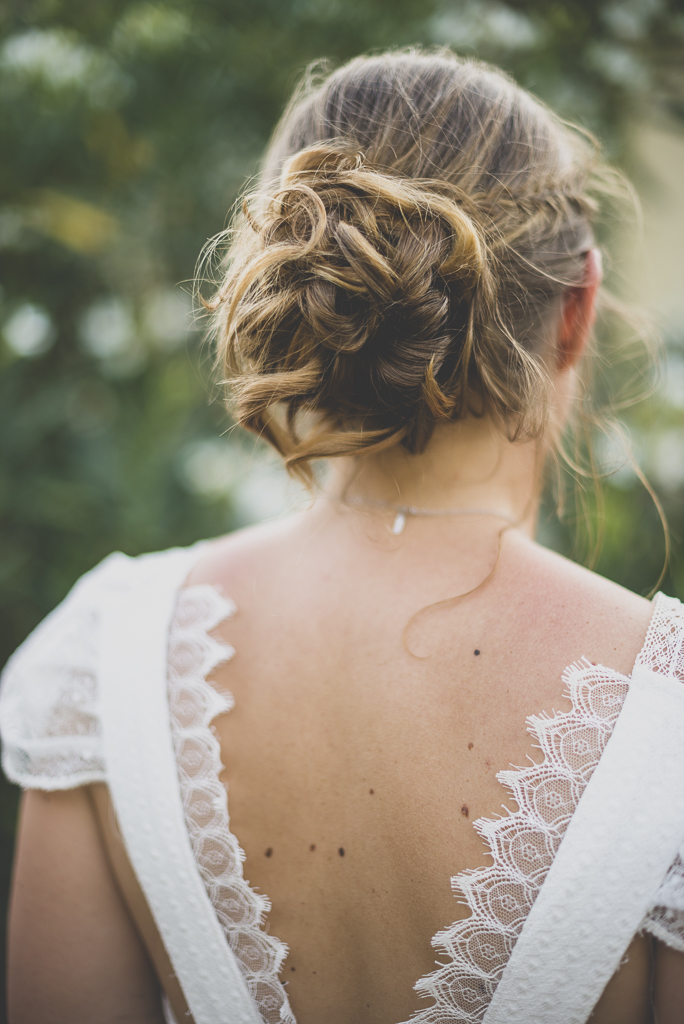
373 286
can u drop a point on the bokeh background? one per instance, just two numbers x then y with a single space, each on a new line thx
126 132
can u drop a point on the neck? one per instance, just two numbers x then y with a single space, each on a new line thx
466 465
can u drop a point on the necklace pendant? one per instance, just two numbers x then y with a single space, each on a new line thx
399 523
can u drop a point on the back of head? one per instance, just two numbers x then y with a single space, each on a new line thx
419 220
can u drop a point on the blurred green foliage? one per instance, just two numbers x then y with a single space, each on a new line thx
126 131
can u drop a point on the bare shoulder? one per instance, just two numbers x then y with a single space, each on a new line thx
609 622
239 556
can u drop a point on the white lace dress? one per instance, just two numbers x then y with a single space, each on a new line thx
54 726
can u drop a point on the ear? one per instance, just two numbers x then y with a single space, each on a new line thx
579 313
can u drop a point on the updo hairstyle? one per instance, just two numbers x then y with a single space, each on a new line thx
418 220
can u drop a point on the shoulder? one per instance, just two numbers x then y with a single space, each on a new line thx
578 607
49 700
117 573
244 554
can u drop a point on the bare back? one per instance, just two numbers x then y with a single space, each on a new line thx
356 764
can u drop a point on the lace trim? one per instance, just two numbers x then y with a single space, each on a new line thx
194 704
663 650
523 845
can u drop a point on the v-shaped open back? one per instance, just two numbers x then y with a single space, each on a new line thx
523 843
61 728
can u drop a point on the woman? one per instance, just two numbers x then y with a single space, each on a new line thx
409 297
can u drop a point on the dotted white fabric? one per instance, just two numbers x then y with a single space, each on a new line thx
51 734
193 653
142 776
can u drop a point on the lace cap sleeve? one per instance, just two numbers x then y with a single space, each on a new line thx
49 720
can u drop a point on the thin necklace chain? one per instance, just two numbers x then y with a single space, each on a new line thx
403 511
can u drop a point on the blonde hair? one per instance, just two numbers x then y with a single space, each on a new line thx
418 221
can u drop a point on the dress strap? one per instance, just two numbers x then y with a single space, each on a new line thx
143 781
617 849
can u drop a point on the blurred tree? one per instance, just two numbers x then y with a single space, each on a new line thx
126 131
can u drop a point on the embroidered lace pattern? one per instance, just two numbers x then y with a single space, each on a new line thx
523 843
194 703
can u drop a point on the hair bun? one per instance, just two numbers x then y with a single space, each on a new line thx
362 282
381 241
421 220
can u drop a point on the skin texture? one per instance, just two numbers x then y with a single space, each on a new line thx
367 732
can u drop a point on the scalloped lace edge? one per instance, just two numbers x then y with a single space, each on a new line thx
522 844
195 703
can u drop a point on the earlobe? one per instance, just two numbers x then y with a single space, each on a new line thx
579 313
